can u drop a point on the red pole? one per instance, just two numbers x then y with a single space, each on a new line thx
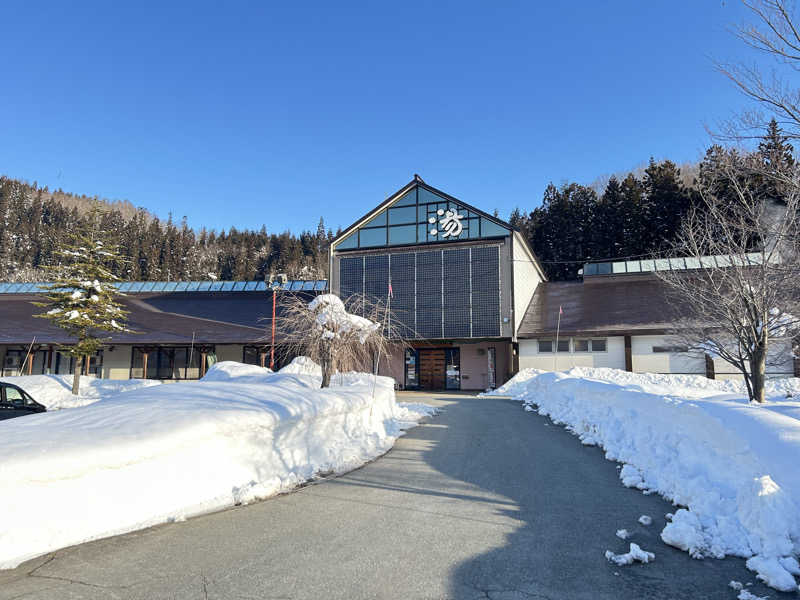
272 349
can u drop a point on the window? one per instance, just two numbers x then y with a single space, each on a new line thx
402 234
563 345
372 237
406 214
599 345
545 345
178 362
12 362
581 345
14 396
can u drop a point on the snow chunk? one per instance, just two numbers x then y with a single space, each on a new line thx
646 520
623 534
635 553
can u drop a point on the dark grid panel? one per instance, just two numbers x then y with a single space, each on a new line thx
456 293
376 277
402 272
429 294
486 292
351 277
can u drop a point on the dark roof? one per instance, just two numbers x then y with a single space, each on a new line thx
218 318
609 307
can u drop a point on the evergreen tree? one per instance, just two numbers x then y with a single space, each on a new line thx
82 299
776 154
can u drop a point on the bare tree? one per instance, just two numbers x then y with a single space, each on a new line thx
775 34
742 287
339 335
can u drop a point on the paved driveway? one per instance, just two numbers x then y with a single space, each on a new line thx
482 501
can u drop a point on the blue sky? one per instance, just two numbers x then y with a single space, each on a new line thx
280 113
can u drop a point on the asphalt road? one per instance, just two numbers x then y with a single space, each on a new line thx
482 501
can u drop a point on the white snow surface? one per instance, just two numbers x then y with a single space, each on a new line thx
55 391
635 553
731 466
165 453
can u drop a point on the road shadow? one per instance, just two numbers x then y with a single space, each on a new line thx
569 502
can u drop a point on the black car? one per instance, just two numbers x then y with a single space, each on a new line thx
14 402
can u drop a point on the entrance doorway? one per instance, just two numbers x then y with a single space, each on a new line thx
438 368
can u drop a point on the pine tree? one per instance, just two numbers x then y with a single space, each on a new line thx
777 156
82 299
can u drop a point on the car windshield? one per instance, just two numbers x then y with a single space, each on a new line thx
15 396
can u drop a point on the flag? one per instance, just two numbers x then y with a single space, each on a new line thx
391 295
560 312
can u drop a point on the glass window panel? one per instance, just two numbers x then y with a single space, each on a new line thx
422 214
545 345
599 345
376 221
407 199
402 234
406 214
215 286
618 267
603 268
372 237
149 286
170 287
260 286
677 263
648 264
581 345
692 262
473 228
351 241
590 269
308 285
563 345
192 286
633 266
426 196
296 285
227 286
422 232
181 286
492 229
662 264
137 286
321 285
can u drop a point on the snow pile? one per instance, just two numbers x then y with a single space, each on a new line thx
55 391
516 384
634 554
730 464
228 369
168 452
302 365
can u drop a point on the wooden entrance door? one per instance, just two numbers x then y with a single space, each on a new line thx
431 369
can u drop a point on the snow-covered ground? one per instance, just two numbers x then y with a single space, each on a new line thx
733 467
55 391
164 453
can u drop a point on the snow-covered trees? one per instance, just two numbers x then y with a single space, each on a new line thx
335 338
82 299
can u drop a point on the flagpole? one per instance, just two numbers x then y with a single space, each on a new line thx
555 350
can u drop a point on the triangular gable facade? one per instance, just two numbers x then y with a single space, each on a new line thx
420 214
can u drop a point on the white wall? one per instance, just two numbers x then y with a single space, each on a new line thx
646 361
613 357
526 278
117 362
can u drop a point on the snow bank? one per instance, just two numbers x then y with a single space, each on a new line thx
167 452
731 465
228 369
55 391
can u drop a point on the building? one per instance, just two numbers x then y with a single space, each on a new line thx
466 292
461 282
618 317
179 329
